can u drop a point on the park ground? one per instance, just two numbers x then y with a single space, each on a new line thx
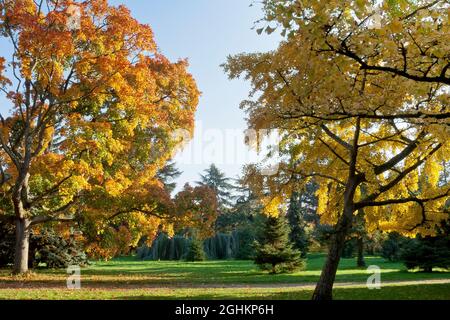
128 278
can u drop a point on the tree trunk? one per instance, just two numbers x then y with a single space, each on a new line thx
428 269
22 246
324 288
360 262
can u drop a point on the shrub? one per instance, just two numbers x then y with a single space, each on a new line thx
196 252
53 251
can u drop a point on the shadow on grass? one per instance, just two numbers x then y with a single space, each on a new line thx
409 292
129 273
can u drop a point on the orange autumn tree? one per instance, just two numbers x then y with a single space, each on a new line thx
360 93
140 212
93 105
197 211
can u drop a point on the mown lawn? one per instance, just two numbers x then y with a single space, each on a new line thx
398 292
127 278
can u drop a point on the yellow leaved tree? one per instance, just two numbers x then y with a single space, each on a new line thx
360 93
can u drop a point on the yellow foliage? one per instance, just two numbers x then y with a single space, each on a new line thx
362 109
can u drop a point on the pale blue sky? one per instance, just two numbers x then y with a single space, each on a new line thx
206 32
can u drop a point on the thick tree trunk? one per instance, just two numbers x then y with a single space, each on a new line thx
22 246
324 288
360 262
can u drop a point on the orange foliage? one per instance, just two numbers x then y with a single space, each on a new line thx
197 209
93 116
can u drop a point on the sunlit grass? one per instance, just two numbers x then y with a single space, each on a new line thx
129 278
410 292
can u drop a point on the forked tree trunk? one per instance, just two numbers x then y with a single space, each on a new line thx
22 246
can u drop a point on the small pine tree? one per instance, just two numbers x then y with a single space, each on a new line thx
196 251
274 250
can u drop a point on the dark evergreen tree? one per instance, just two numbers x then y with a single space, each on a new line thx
243 212
349 249
167 175
392 247
374 242
196 251
295 217
274 250
427 253
246 236
216 180
53 251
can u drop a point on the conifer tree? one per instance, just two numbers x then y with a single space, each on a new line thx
428 252
168 174
274 251
196 252
216 180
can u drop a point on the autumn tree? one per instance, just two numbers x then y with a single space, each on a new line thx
359 91
197 210
112 225
93 105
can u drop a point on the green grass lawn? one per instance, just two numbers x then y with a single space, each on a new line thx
127 278
407 292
